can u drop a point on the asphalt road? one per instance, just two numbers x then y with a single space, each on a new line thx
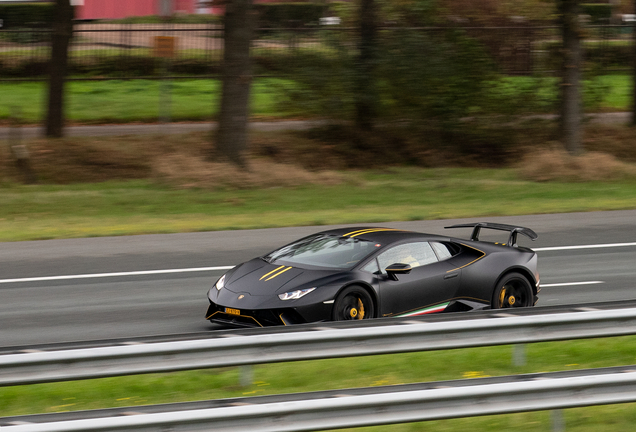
65 290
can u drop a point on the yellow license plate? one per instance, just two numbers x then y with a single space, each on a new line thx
233 311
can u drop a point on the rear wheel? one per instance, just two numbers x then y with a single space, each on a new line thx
353 303
512 291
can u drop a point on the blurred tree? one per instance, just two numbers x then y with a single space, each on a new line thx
366 92
625 7
239 23
409 74
411 13
497 11
634 70
61 36
570 115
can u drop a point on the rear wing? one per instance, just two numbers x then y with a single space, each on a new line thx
514 230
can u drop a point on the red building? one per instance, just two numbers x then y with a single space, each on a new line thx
114 9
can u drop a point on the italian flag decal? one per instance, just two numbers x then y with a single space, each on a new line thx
427 310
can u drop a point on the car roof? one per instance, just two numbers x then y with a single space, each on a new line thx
382 234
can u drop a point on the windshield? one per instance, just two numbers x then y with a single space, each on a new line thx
323 251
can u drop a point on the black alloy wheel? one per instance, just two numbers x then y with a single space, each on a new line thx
512 291
353 303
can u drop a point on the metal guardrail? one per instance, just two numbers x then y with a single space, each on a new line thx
374 337
366 407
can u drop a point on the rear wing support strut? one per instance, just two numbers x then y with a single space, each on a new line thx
514 230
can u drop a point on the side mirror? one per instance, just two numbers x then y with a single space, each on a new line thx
398 268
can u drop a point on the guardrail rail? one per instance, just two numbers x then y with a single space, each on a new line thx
355 407
317 342
341 408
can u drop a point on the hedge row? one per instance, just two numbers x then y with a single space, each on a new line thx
610 56
137 66
27 15
113 67
284 62
598 12
281 15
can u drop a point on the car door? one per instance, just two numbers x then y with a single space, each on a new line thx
429 286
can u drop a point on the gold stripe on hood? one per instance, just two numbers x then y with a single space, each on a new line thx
273 271
279 273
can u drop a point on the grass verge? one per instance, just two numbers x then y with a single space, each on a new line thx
106 186
141 207
118 101
348 373
121 101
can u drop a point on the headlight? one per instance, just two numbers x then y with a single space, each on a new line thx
295 294
220 283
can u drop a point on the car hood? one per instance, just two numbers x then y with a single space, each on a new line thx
259 278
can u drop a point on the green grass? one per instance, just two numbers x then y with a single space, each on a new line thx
352 372
139 207
135 100
139 100
619 91
601 93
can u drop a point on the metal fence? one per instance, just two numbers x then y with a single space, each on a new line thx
120 51
344 407
327 340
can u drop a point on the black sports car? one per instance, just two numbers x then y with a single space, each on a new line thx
359 273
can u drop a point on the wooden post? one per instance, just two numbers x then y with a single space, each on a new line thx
231 137
61 36
366 97
571 76
19 151
634 67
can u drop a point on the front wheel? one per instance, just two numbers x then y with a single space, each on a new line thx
512 291
353 303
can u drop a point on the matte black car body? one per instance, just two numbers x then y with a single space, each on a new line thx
467 275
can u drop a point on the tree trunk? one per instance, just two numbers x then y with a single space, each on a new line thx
231 138
366 96
634 69
571 76
62 33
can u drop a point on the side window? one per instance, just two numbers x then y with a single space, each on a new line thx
441 250
371 267
414 254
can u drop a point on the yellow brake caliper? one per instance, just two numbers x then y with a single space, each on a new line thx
361 309
502 296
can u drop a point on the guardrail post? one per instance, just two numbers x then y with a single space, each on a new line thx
558 424
246 375
519 355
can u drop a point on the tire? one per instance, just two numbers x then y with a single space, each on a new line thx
512 291
353 303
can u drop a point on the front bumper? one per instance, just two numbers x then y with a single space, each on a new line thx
267 317
244 318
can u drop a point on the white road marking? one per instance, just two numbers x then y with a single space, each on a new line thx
571 284
205 269
597 246
103 275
